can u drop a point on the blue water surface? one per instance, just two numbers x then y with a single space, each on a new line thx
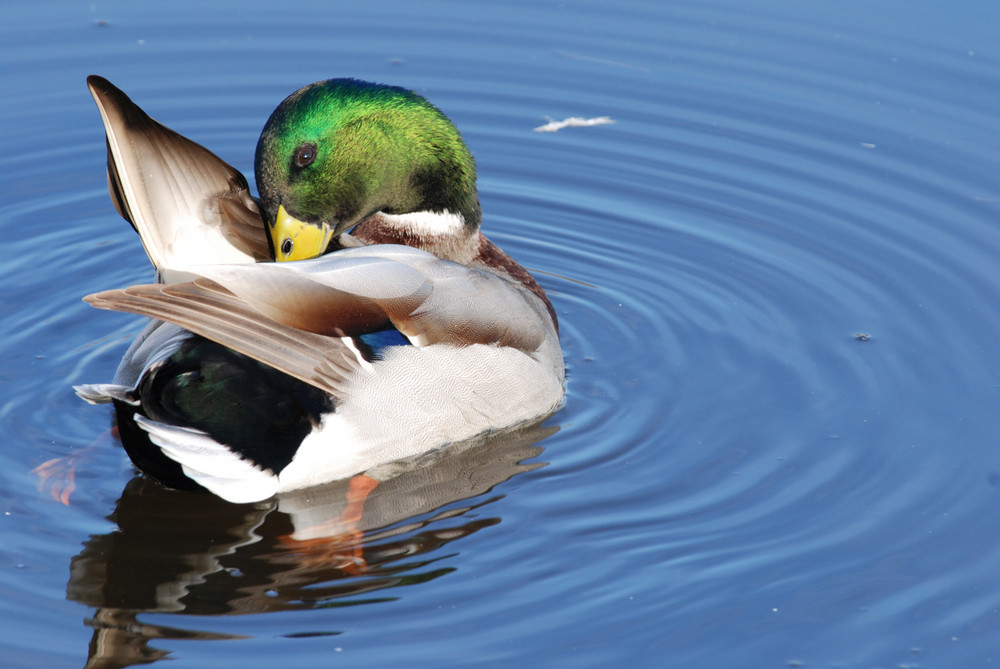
777 278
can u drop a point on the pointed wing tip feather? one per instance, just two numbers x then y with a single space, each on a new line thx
107 95
103 299
121 299
98 85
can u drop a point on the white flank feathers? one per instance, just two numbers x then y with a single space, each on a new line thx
211 464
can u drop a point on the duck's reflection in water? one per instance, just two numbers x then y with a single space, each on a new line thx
190 553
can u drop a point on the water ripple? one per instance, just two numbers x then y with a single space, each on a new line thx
734 461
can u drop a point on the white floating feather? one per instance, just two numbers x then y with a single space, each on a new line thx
574 122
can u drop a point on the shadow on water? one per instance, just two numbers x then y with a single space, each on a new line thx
190 553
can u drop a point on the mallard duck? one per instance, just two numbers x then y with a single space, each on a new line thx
389 326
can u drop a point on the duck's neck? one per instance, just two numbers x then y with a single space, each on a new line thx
444 234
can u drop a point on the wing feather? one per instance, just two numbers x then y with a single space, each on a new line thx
361 289
188 205
292 315
209 310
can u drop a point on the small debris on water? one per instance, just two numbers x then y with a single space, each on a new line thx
862 336
574 122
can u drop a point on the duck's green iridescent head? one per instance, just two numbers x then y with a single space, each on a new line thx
338 151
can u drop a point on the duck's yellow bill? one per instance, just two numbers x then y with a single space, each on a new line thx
297 240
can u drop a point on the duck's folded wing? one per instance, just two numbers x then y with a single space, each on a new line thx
208 309
188 205
291 315
430 300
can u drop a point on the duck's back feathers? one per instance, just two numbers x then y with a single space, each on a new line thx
188 206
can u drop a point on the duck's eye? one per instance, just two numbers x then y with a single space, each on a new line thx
305 155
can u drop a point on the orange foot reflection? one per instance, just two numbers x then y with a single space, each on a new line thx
58 475
339 540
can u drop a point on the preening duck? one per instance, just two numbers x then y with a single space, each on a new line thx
397 327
